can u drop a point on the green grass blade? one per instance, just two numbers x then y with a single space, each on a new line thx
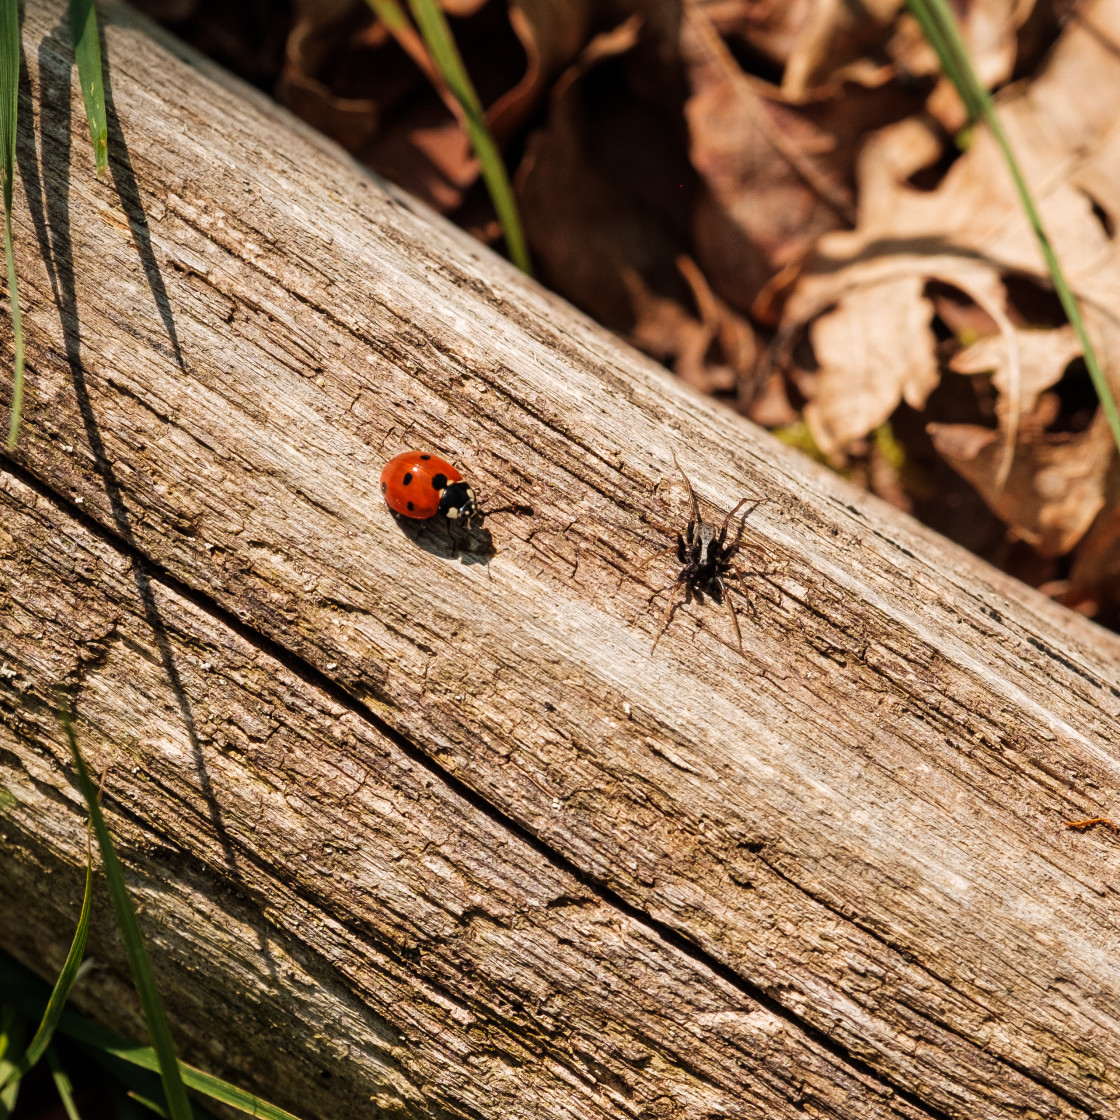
87 52
159 1109
126 1108
144 1057
391 14
62 1085
952 54
12 1034
9 94
148 1103
104 1041
209 1086
132 1085
17 325
437 37
9 108
38 1045
940 27
9 1015
26 993
138 959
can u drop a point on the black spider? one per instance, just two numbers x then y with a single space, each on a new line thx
707 561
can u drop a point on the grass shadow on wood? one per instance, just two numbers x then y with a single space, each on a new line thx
49 208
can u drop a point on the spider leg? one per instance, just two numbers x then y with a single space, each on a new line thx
737 543
773 593
691 493
667 617
724 597
734 621
727 520
658 553
744 591
660 526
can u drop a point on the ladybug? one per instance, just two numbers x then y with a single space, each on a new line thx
419 485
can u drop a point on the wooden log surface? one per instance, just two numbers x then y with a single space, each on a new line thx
438 832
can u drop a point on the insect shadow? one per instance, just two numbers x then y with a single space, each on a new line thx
469 544
708 561
468 541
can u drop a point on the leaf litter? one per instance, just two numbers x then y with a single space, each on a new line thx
782 203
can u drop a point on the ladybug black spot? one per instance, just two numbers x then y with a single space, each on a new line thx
411 506
383 488
425 456
407 478
439 482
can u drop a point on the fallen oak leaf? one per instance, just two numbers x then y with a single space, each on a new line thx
835 41
552 34
874 349
624 262
1056 485
970 233
1043 356
1096 561
774 181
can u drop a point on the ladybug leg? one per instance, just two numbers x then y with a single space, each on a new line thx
520 508
459 535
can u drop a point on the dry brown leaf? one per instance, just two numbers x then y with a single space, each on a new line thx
610 248
970 233
426 152
864 371
768 199
552 33
989 29
736 338
1096 563
320 26
765 27
835 43
1041 357
1056 485
589 242
972 227
346 76
247 38
776 175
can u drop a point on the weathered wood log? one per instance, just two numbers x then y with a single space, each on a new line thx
442 823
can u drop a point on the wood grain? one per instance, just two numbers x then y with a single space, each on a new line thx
853 828
421 951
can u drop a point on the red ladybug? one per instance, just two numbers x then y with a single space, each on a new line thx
419 485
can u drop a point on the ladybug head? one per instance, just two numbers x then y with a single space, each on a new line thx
457 503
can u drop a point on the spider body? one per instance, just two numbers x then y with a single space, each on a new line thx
707 560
